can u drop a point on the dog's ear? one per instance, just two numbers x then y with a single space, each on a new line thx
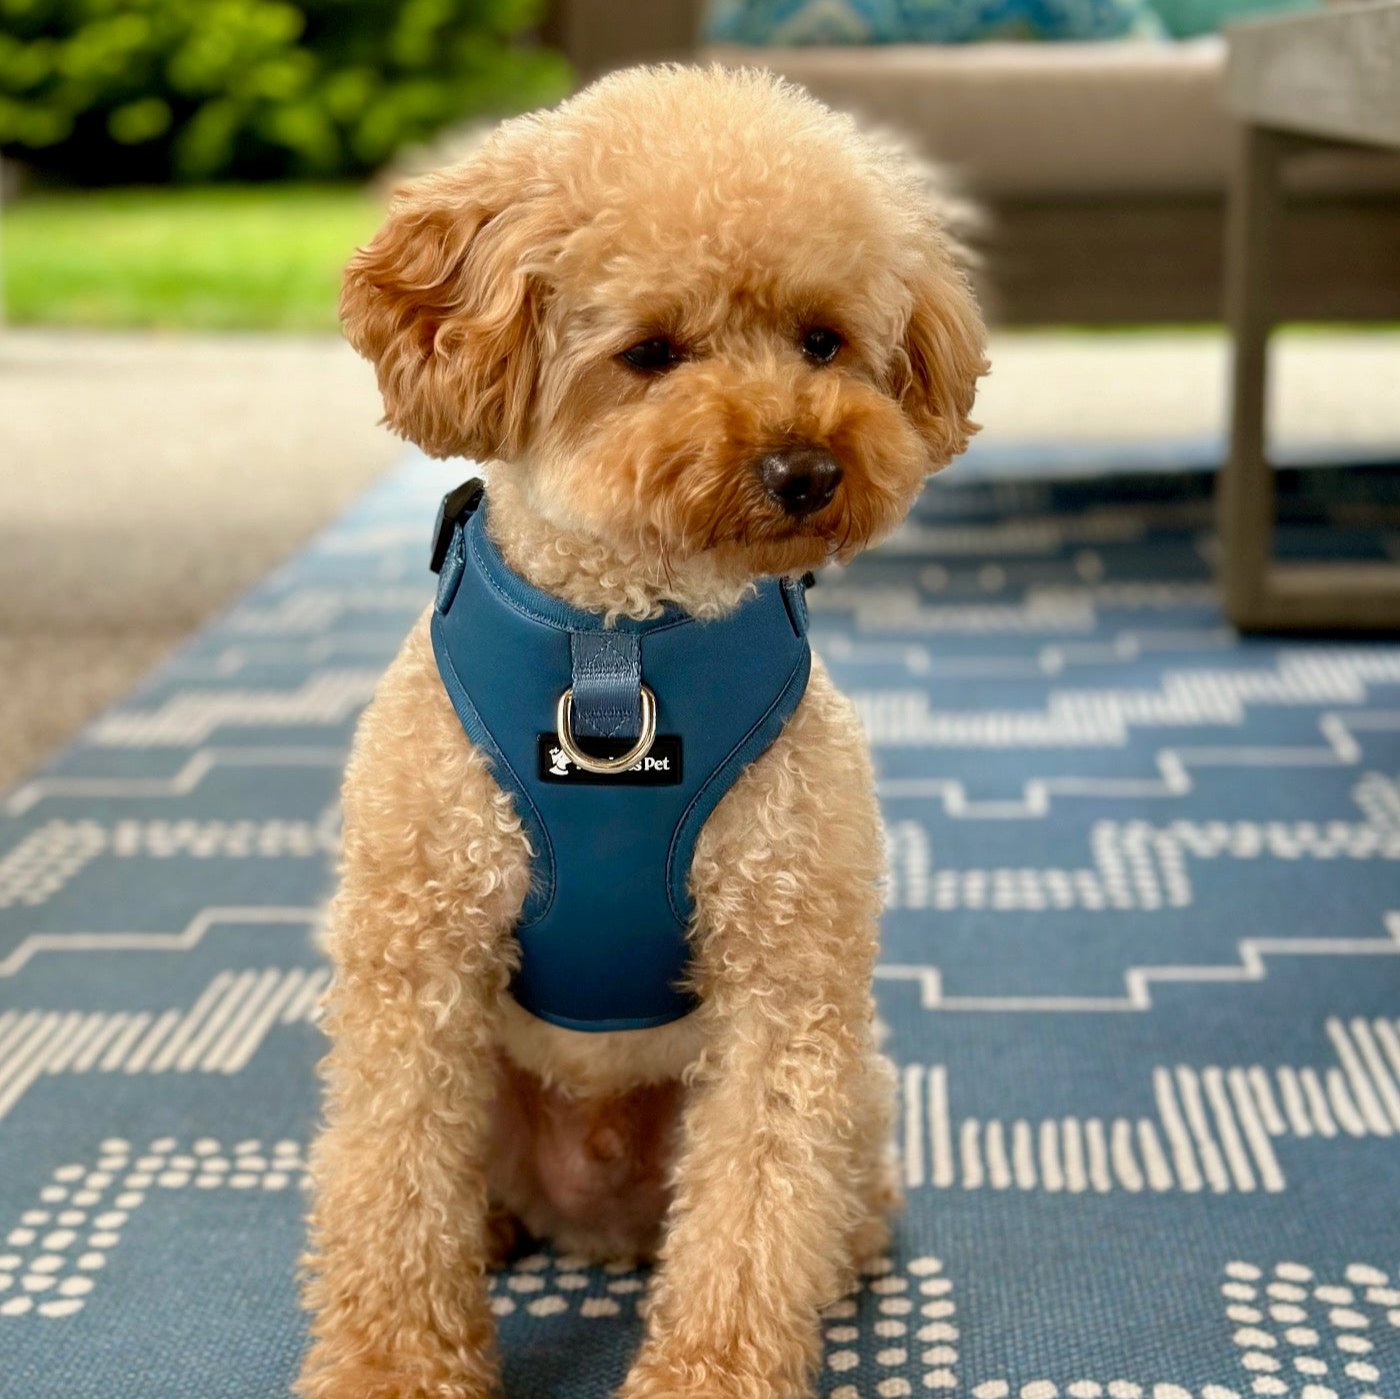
443 302
941 358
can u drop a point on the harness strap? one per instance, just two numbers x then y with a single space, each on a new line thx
607 665
607 683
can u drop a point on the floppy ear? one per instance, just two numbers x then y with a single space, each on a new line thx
443 303
943 356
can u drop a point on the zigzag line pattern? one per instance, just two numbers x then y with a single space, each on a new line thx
80 943
1137 865
1342 748
51 856
877 609
1034 664
1138 981
186 780
188 718
313 610
232 660
219 1033
1185 699
1213 1129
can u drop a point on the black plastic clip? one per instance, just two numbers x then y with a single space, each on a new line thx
456 506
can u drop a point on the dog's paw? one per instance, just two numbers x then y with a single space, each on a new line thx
654 1377
377 1387
358 1383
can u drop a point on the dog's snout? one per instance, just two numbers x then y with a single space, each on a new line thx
801 479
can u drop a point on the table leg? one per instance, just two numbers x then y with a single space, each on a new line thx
1246 489
1261 594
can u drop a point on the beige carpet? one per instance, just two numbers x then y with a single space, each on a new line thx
146 481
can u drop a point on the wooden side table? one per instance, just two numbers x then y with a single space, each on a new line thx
1327 78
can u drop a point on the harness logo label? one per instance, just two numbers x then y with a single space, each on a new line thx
660 768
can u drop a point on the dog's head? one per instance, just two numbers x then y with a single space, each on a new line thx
696 310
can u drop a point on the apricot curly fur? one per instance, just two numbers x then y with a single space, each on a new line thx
747 1148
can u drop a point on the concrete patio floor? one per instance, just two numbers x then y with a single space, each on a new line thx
145 481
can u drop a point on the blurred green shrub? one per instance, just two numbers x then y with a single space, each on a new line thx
121 91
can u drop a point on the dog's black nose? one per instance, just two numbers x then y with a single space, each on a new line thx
800 479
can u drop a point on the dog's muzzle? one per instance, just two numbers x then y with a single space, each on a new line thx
801 479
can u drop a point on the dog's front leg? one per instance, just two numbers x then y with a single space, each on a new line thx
758 1235
434 871
397 1282
773 1181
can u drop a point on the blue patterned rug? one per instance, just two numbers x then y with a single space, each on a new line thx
1141 974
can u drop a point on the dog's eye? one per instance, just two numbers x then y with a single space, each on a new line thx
654 355
821 344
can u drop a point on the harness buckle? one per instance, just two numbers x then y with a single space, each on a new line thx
456 506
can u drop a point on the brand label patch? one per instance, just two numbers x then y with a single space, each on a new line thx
660 768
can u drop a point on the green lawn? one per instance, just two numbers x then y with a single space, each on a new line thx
265 257
223 257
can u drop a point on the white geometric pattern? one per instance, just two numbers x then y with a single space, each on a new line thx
219 1033
56 1252
1213 1129
51 855
1341 747
190 937
311 611
1293 1330
1140 974
1137 865
189 717
897 1317
185 780
1138 981
1108 717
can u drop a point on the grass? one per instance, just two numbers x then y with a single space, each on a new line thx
264 257
253 257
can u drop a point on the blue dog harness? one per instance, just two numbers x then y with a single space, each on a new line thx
603 931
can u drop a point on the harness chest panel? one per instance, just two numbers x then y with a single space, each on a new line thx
603 934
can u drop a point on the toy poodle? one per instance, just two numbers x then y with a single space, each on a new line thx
611 873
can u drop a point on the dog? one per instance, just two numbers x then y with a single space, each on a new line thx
707 336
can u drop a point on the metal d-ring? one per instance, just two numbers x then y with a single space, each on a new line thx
563 723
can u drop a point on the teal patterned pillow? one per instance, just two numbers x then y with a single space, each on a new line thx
785 22
1185 19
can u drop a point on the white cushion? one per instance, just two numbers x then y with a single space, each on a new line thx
1036 119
